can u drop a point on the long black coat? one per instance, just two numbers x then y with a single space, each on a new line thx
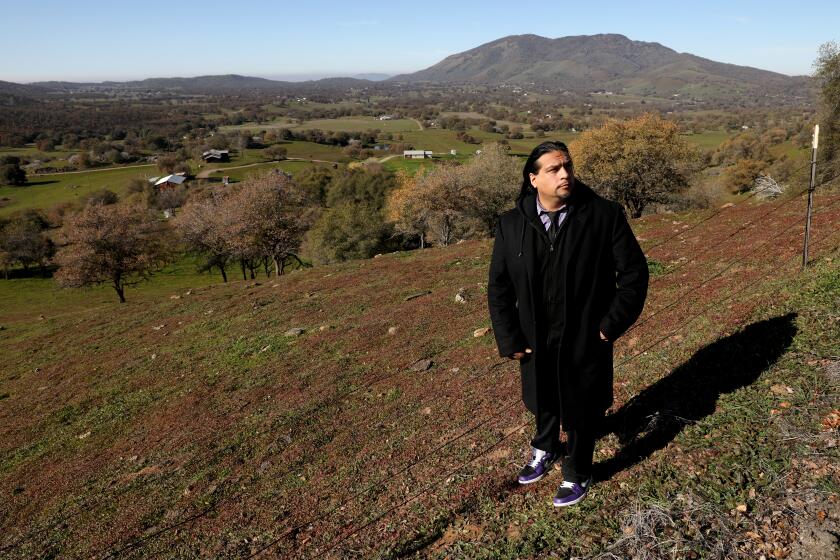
605 278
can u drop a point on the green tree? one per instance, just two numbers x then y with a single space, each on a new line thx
346 231
741 176
366 185
11 172
275 153
23 240
353 225
827 72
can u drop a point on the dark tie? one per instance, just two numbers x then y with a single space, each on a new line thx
553 229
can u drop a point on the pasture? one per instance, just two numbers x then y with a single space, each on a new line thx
44 191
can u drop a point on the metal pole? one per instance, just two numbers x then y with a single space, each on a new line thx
810 195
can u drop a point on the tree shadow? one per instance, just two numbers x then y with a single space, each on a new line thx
38 183
654 417
35 271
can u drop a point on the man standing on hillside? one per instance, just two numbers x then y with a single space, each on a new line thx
567 278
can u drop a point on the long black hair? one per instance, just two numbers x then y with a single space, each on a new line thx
531 163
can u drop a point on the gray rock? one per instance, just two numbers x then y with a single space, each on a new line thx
422 365
294 332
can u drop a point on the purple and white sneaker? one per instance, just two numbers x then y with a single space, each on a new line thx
570 493
537 468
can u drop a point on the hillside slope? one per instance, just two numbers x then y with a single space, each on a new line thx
193 426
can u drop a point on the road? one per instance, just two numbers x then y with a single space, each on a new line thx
207 172
93 170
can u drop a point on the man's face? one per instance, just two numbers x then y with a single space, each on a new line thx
555 177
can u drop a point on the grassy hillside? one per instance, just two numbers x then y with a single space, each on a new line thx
187 423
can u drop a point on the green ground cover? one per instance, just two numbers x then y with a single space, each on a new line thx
237 175
44 191
36 295
708 140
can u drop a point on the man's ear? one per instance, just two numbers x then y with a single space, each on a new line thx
533 178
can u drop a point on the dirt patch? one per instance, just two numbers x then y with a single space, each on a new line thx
151 470
457 533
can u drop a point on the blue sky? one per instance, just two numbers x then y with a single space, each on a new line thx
96 40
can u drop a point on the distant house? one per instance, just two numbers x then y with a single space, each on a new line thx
385 117
169 182
417 154
216 156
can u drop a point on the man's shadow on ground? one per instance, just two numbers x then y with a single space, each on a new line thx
653 418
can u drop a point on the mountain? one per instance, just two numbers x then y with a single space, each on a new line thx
607 62
227 83
16 94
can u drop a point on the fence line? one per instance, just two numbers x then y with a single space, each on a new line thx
721 210
718 274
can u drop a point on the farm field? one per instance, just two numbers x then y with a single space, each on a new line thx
193 426
33 152
708 140
240 174
44 191
331 125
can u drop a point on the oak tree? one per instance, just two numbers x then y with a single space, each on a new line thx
637 162
116 244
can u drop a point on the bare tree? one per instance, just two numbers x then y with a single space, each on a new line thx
267 217
491 182
766 186
117 244
201 228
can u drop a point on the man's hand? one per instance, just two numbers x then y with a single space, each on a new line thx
603 336
520 355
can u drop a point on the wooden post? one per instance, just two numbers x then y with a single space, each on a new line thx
810 195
